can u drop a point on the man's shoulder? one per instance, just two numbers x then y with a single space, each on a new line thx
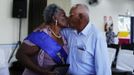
95 29
97 32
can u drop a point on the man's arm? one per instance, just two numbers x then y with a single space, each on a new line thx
102 64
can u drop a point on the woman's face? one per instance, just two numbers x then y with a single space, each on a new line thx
61 18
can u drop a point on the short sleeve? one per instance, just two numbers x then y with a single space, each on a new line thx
28 43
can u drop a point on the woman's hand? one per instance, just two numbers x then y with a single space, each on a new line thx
52 73
46 72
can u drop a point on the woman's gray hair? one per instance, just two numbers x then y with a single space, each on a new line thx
49 12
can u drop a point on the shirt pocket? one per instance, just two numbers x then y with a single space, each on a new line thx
84 56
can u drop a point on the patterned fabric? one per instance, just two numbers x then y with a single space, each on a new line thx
110 37
42 59
48 45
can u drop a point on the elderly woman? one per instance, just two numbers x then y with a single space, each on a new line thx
45 46
110 35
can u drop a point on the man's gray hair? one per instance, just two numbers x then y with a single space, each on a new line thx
82 8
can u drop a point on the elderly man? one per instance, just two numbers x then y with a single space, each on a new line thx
88 53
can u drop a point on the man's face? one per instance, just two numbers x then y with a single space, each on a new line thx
74 19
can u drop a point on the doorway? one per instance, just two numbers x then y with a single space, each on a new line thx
35 17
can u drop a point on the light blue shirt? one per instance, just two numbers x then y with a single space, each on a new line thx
88 54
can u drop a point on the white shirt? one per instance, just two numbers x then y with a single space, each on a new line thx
88 54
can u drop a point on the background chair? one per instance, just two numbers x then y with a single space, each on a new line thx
125 60
113 59
113 51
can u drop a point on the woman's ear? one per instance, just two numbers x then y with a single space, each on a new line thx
54 18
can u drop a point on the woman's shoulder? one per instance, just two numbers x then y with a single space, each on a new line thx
41 27
28 42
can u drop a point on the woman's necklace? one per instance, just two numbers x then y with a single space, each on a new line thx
57 36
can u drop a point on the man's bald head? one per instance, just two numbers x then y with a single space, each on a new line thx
79 16
80 8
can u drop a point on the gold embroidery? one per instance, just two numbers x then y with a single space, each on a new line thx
62 58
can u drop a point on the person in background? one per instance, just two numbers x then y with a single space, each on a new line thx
45 47
88 54
110 35
106 27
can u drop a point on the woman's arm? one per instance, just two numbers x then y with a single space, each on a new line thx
25 54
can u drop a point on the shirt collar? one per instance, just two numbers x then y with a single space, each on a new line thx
85 31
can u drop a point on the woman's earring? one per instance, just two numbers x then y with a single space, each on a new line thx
56 22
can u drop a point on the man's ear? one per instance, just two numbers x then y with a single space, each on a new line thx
80 16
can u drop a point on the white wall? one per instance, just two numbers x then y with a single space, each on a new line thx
107 8
65 4
9 27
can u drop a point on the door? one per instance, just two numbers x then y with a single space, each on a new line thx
35 17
